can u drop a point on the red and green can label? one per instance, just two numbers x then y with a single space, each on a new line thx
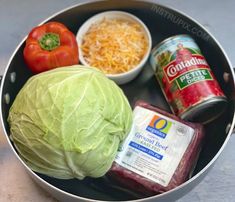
187 72
183 73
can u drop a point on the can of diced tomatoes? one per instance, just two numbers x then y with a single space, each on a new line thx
186 80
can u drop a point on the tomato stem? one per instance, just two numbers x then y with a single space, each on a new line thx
49 41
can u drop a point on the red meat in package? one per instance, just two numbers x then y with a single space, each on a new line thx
160 152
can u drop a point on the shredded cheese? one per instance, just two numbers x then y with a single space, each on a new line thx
114 45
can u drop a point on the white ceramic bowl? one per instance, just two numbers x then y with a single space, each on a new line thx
121 78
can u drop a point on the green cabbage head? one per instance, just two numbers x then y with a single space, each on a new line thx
68 122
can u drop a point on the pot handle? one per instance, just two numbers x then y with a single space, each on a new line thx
234 127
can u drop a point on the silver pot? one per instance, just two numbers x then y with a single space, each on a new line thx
162 22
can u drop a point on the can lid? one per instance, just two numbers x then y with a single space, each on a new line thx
206 111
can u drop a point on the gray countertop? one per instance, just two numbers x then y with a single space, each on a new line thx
18 17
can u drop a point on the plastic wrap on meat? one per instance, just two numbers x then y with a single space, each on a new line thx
133 181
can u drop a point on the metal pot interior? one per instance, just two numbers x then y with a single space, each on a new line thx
144 87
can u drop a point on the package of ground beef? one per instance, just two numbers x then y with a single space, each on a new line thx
159 153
